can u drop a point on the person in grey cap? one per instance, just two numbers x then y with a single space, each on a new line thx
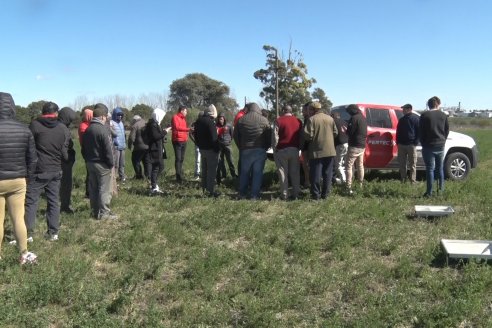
140 148
320 132
98 153
206 138
407 139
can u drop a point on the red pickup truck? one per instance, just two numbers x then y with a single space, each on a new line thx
461 153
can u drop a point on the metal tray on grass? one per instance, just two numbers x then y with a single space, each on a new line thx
433 210
465 249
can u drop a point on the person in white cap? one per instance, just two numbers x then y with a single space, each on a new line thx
206 138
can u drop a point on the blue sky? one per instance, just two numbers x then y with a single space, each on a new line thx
378 51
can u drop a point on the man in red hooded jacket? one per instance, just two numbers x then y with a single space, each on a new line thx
179 138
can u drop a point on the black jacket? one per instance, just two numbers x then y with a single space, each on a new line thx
357 130
17 150
66 115
205 133
407 130
97 144
341 137
154 136
51 138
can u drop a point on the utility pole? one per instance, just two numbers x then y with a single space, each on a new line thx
276 81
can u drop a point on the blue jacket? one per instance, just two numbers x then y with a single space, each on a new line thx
120 140
407 130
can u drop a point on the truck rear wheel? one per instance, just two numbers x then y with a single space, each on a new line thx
457 166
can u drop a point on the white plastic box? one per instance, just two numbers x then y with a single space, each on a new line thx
466 249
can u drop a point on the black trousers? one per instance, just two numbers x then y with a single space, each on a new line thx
66 186
179 155
225 155
139 159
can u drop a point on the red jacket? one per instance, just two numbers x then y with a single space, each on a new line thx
238 116
180 128
82 127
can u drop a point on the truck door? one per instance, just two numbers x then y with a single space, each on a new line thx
381 150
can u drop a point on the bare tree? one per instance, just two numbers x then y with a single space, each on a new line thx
154 99
80 102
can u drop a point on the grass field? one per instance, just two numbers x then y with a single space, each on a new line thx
185 261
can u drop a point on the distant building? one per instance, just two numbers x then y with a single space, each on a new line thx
485 114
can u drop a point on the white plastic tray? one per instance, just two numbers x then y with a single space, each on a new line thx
433 210
467 248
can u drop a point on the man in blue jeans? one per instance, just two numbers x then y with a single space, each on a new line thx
252 135
433 131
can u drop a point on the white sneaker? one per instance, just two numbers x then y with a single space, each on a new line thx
28 258
156 190
14 242
49 237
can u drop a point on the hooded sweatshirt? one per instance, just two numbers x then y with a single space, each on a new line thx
136 138
66 115
357 128
52 138
154 136
17 150
224 132
119 128
206 132
179 128
86 120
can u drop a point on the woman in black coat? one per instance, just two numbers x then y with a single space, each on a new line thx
154 136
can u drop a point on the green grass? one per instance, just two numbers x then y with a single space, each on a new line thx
182 260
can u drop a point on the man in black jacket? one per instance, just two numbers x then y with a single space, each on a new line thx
407 139
17 162
252 135
205 134
51 138
357 134
98 154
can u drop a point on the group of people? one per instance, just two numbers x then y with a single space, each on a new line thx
431 130
33 160
327 149
40 158
330 148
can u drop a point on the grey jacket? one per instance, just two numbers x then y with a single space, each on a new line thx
252 130
135 139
